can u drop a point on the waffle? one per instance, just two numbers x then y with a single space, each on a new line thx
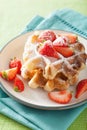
50 73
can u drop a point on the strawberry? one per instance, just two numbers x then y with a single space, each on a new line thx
47 35
48 50
61 97
18 84
81 88
9 74
60 41
65 51
72 38
15 63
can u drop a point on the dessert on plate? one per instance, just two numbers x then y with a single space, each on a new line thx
53 60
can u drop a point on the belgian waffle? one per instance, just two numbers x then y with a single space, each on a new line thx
48 72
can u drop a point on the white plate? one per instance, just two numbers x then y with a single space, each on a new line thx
36 98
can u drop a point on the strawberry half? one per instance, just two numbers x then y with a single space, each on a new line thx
47 35
9 74
81 88
72 38
15 63
48 50
60 41
18 85
61 97
65 51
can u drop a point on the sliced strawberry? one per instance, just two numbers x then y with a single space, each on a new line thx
9 74
15 63
61 97
65 51
81 88
72 38
48 50
60 41
47 35
18 85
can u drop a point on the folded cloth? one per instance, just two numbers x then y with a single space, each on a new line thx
35 119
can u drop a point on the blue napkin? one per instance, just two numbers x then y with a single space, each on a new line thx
44 119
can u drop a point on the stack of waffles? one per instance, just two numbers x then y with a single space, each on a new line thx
53 60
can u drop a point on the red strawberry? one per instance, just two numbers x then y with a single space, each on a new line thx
81 88
18 85
65 51
47 35
61 97
72 38
60 41
9 74
48 50
15 63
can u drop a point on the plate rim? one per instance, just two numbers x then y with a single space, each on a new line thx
31 104
42 107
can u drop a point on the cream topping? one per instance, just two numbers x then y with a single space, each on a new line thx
33 60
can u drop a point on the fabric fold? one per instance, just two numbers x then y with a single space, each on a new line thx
43 119
67 20
33 24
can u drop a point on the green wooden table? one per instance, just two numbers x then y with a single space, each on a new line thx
14 15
